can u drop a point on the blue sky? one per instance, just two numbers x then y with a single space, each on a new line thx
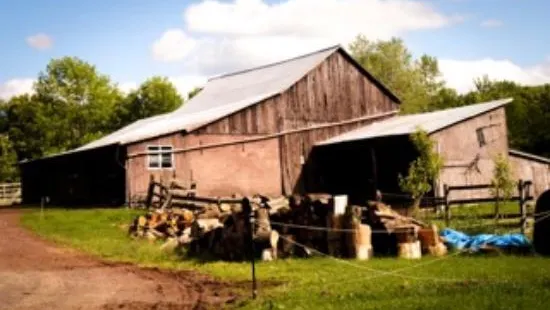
131 40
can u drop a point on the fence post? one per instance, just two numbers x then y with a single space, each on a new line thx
150 192
249 210
522 205
446 191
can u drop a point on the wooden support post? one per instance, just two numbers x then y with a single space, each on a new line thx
522 205
42 208
248 210
446 191
150 192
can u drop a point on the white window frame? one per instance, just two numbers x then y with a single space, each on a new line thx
159 153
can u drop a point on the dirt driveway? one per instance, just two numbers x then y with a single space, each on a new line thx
35 274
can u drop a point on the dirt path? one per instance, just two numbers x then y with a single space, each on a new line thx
35 274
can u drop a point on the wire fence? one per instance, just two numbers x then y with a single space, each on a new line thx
373 273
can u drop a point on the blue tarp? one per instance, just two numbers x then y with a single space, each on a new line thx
462 241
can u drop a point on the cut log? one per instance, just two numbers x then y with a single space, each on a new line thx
410 250
279 205
335 238
320 197
185 237
203 226
406 233
362 246
225 207
210 212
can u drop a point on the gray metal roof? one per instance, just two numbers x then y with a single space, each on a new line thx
407 124
529 156
221 96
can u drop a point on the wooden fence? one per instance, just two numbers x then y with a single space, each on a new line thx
10 193
522 196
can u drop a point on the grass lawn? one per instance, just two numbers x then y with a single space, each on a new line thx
453 282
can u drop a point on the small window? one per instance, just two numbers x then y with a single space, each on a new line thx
160 157
480 137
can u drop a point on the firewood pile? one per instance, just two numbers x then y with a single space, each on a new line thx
406 236
282 227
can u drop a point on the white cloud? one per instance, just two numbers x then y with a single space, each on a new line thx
15 87
459 74
186 83
229 36
224 36
335 19
173 45
491 23
127 87
40 41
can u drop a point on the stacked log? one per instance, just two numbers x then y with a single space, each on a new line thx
282 227
431 241
405 236
359 238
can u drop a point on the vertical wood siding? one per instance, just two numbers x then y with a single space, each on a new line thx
459 147
535 171
334 91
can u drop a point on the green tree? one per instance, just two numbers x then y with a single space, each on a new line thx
502 183
192 93
28 129
415 81
8 161
77 100
155 96
423 170
526 115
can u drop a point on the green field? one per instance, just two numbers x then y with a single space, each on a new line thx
458 281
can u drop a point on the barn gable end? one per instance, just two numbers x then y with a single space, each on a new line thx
336 90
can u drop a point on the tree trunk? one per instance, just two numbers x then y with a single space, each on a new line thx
416 206
497 205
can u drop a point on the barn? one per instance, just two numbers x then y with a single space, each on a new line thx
531 167
245 132
314 123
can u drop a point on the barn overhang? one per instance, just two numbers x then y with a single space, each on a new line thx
407 124
91 177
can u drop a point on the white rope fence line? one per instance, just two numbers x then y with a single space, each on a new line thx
379 272
415 266
321 228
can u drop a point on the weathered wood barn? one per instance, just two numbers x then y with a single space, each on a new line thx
318 122
531 167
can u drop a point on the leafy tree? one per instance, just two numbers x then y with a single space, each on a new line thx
8 161
502 183
27 127
415 81
192 93
526 116
155 96
78 101
423 170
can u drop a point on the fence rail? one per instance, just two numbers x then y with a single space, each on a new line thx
10 193
523 196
